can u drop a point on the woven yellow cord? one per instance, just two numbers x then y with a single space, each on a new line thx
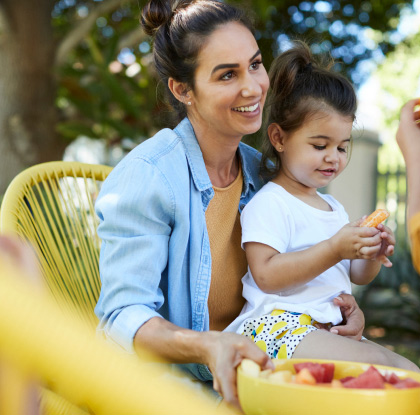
51 205
38 338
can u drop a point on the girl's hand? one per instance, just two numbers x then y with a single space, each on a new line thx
225 351
355 242
387 246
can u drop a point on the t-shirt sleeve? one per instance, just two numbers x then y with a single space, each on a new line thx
266 219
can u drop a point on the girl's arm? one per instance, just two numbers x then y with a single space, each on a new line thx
363 271
274 271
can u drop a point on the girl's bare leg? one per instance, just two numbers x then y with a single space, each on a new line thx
322 344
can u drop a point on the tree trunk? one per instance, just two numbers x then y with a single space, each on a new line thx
27 87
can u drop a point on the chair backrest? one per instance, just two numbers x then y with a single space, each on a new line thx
51 205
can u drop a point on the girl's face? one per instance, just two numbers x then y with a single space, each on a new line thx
316 153
230 85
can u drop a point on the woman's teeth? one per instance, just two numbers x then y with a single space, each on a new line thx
247 109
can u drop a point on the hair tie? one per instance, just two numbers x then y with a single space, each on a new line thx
307 67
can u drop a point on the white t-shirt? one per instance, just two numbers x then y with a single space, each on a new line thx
276 218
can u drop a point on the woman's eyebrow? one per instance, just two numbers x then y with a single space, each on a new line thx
233 65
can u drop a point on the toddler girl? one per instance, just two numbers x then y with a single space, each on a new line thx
302 253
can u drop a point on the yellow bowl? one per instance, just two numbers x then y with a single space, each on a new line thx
259 396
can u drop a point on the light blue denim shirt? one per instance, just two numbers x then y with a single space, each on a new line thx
155 256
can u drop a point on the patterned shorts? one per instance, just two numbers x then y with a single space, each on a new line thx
279 332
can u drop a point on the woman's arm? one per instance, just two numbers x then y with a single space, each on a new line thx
408 138
136 215
222 352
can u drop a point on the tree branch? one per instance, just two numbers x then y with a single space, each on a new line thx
132 39
83 28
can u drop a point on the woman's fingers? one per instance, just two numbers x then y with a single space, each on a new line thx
352 316
228 353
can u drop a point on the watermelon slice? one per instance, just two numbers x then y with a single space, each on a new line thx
371 379
347 378
323 375
391 378
322 372
406 383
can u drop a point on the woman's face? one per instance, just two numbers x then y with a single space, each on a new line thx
230 85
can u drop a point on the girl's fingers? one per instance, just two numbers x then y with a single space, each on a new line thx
385 261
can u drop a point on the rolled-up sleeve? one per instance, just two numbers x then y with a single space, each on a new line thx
136 211
414 229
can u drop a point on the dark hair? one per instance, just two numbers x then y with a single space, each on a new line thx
300 87
180 29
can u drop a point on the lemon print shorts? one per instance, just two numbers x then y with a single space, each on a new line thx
279 332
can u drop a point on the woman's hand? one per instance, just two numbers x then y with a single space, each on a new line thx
408 134
353 318
225 351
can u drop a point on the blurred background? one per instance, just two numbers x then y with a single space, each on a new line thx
77 83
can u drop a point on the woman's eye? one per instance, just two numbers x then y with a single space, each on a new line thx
319 147
342 149
226 76
255 65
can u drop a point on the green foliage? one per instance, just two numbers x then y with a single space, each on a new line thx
350 31
99 96
392 300
403 65
107 88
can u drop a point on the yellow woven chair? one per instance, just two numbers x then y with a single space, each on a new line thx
38 338
51 205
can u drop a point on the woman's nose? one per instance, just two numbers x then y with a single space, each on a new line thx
251 87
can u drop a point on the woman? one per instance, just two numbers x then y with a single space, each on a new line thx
171 262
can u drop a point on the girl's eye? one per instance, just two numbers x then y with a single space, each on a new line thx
227 76
342 149
319 147
255 65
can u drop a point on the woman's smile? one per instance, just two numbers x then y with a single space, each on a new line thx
249 109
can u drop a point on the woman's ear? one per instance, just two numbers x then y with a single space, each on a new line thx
180 91
277 136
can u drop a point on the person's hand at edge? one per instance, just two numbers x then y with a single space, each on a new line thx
353 318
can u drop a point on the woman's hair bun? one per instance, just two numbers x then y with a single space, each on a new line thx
155 14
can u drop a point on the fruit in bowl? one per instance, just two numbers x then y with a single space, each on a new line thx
303 386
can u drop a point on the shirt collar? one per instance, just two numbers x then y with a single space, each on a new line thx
195 159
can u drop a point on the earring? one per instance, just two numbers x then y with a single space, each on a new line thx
279 148
189 103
